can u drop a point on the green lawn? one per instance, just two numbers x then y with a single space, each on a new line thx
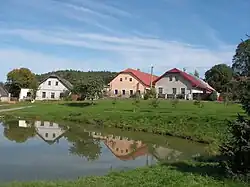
185 120
157 176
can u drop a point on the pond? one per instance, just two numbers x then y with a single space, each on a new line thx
42 150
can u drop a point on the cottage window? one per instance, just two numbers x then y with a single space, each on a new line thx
131 92
46 135
130 79
126 78
121 79
160 90
56 83
49 83
116 92
170 78
174 90
52 95
44 95
183 91
176 78
54 135
139 92
123 92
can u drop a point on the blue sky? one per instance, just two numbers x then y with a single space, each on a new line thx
46 35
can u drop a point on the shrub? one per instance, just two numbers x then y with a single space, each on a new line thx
174 102
155 103
236 149
213 96
150 94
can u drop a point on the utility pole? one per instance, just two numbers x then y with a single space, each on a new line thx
151 77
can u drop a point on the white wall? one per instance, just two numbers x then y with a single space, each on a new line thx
48 130
23 93
48 89
168 85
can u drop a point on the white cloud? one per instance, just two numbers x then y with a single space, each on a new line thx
130 51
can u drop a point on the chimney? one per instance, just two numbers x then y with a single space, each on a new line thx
138 69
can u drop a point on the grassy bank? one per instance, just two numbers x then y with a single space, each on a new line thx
207 124
178 175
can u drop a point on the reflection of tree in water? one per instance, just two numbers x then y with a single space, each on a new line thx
83 144
18 134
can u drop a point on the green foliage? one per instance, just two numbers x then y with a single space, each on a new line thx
199 103
174 102
236 150
241 60
78 77
136 103
21 78
219 76
213 96
150 94
155 103
245 95
90 90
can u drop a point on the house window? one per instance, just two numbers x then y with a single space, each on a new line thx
160 90
126 150
51 124
46 135
29 94
176 78
121 79
116 92
56 83
54 135
139 91
42 124
174 90
44 95
126 78
117 149
123 92
61 95
130 79
49 83
131 92
183 91
170 78
52 95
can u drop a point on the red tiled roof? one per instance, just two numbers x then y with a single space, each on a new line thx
143 77
195 82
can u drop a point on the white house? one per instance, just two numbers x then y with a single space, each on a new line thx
50 132
51 88
175 83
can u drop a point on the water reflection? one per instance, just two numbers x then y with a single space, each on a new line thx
45 150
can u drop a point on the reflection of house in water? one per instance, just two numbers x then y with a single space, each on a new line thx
24 124
50 132
122 147
163 153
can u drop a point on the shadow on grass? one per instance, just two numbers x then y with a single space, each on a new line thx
83 104
205 166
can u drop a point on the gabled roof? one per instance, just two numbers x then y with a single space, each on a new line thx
141 76
66 83
195 81
3 91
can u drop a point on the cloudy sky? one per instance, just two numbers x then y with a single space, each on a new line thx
46 35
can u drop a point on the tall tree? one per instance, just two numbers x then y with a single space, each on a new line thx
196 73
20 78
241 60
219 76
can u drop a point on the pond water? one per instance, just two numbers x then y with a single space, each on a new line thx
43 150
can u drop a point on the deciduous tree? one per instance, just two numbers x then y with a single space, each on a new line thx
21 78
219 76
241 60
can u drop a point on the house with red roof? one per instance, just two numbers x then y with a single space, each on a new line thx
176 83
131 81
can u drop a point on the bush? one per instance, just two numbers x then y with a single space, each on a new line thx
174 102
150 94
213 96
236 149
155 103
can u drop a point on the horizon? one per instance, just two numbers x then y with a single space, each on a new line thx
111 35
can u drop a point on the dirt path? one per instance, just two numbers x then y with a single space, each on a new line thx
13 109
